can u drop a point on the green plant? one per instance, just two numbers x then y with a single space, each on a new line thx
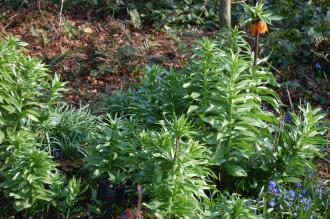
27 174
69 196
109 153
299 142
67 129
27 90
186 13
174 171
157 96
309 199
233 206
258 12
225 93
135 18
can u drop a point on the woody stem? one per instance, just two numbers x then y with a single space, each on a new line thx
256 49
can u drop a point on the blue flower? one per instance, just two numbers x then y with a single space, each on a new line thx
276 191
319 191
299 185
306 203
292 195
303 193
287 118
318 66
272 203
311 217
271 186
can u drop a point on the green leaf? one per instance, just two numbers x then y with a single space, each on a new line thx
235 170
192 108
2 136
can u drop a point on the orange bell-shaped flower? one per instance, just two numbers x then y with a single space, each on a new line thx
253 29
258 27
262 27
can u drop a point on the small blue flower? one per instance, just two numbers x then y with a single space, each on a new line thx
292 195
306 203
319 192
311 217
318 66
271 185
276 191
303 193
287 118
299 185
272 203
248 202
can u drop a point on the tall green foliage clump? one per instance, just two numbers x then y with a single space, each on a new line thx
26 89
235 110
26 93
225 94
174 170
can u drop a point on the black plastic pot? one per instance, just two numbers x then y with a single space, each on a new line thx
2 198
111 194
57 154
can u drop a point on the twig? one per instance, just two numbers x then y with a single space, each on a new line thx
61 11
289 96
139 204
271 66
43 17
11 21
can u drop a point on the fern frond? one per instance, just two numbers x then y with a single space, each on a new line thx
135 18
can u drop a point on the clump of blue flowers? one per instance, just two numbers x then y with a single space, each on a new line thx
309 199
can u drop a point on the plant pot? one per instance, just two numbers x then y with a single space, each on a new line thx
111 194
57 154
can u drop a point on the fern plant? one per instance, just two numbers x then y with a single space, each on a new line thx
135 18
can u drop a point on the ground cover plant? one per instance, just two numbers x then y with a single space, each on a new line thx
209 139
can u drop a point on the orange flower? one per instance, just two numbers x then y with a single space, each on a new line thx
253 29
262 27
258 27
128 214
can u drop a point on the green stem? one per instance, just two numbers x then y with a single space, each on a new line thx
68 214
256 49
177 147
